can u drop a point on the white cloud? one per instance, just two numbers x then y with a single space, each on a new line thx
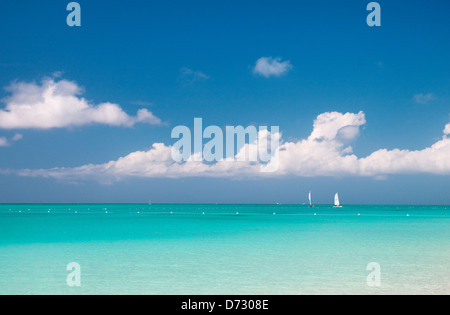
424 98
332 125
330 157
57 104
324 153
271 67
432 160
4 142
447 129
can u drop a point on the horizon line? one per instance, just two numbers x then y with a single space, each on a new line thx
211 204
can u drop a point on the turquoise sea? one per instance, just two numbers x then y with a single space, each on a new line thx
224 249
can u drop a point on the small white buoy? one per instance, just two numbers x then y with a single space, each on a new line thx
315 213
407 215
237 212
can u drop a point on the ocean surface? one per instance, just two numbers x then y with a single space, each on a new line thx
224 249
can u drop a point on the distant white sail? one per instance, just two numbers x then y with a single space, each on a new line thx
310 200
336 200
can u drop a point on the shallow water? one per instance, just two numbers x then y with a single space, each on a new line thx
224 249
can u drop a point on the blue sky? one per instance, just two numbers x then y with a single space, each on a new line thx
187 59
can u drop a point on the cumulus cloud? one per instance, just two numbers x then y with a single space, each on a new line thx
326 152
424 98
58 104
156 162
271 67
447 129
333 125
331 157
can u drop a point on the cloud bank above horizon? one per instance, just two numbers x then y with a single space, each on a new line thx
326 152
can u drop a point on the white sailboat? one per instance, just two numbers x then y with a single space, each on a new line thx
337 204
310 200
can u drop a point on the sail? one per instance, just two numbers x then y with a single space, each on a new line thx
310 200
336 200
